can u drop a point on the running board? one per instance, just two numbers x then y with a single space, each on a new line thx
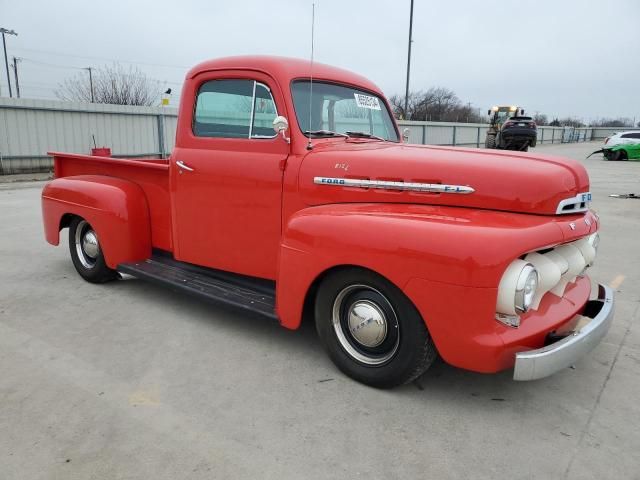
247 293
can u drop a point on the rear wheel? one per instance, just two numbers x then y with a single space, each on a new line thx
86 253
371 331
490 141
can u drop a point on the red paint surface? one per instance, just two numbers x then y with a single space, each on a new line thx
251 207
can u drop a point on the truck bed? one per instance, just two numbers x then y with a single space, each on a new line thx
152 175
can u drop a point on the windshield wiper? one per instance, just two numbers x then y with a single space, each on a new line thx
364 135
325 133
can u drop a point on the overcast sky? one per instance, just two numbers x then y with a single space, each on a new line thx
561 58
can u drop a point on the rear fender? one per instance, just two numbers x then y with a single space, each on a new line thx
117 210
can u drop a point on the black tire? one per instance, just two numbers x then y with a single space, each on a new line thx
87 256
622 155
525 148
405 350
490 141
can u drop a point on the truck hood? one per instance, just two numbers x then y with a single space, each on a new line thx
339 171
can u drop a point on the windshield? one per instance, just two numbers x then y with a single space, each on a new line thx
503 116
341 109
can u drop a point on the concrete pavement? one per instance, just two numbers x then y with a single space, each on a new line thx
129 380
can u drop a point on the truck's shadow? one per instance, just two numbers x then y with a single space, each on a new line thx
441 382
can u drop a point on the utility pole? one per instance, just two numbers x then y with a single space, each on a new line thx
406 92
90 83
15 74
6 60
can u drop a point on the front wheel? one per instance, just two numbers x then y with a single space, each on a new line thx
86 253
371 331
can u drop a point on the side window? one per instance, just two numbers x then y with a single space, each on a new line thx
234 109
223 109
635 135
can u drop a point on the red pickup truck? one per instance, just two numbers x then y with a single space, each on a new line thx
296 198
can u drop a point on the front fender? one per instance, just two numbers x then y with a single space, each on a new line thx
117 210
448 245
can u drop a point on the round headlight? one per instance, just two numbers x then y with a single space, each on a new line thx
526 288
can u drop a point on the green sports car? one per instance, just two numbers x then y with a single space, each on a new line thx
622 146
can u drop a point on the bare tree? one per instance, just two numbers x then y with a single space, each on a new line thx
541 119
112 84
413 100
437 104
566 122
612 122
571 122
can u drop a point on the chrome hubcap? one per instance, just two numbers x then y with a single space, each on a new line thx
90 244
87 245
365 325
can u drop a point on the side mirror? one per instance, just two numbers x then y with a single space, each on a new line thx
405 135
280 125
522 111
489 112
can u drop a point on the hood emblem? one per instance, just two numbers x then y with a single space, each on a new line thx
390 185
579 203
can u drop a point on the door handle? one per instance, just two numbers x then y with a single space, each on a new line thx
182 165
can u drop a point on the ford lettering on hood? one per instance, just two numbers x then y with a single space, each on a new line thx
344 172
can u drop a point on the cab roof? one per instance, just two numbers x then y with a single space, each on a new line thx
284 70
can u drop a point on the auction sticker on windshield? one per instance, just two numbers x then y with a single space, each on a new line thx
365 101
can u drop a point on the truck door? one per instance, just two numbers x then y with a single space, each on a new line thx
227 171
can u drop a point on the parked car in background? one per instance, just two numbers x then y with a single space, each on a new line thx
509 129
622 146
620 138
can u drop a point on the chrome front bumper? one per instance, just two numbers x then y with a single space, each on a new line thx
545 361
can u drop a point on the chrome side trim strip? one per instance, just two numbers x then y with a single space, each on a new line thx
389 185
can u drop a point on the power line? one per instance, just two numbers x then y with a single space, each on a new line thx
15 73
88 57
46 87
4 32
67 67
50 65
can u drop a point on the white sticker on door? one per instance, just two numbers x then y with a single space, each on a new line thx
365 101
